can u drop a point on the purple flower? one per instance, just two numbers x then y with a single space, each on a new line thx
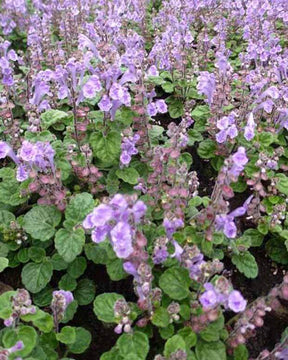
139 210
28 151
91 87
17 347
209 299
100 233
240 157
206 85
236 302
5 149
122 240
160 255
227 127
249 130
128 149
230 229
171 226
67 296
178 250
22 174
130 268
125 158
152 109
117 92
99 217
161 106
282 355
105 103
152 71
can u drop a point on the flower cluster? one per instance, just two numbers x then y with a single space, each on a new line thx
222 294
37 156
60 300
128 149
21 305
116 220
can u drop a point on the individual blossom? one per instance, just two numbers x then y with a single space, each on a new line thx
239 160
236 302
249 130
6 150
227 128
91 87
121 239
225 222
207 85
105 103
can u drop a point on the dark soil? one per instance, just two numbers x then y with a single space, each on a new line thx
269 275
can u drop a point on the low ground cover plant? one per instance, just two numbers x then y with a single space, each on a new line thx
143 192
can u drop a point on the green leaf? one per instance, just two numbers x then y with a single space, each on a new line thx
36 276
67 283
175 107
96 253
10 189
106 148
115 269
70 312
166 332
254 236
175 343
277 250
266 139
51 117
189 336
194 136
4 263
161 317
6 304
136 343
44 297
211 350
24 333
6 217
212 331
129 175
82 342
241 353
206 149
79 207
36 254
77 267
246 264
40 222
156 131
67 335
200 112
282 183
175 282
58 262
85 292
112 354
40 319
69 243
103 306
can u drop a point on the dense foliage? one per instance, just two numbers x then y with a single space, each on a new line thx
150 138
